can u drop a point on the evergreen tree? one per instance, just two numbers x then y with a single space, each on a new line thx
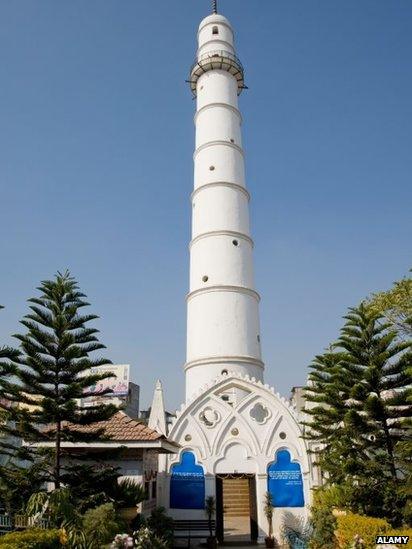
357 407
327 393
10 448
378 406
53 371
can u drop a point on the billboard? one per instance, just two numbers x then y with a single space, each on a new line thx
118 382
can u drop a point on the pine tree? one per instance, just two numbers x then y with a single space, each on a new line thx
327 394
53 371
378 404
8 356
357 407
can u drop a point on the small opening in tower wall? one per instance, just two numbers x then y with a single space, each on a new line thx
205 278
235 243
211 168
215 30
232 140
258 338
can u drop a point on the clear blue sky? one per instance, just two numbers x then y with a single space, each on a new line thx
96 142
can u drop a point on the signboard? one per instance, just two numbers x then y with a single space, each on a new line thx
187 484
118 382
285 483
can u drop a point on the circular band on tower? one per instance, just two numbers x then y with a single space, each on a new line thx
221 233
222 105
224 360
217 60
224 288
215 41
235 186
219 142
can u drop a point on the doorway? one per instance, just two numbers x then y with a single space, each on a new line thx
236 511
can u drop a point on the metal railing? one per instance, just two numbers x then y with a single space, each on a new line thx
21 522
222 54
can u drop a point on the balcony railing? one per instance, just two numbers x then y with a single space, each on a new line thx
218 59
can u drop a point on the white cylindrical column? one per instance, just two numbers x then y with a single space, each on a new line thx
223 306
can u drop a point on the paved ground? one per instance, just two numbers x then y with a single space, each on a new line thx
237 530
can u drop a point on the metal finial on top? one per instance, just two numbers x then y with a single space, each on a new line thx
214 6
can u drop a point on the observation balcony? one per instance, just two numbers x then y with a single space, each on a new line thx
221 60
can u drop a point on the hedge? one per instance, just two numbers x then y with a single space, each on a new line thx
349 525
33 539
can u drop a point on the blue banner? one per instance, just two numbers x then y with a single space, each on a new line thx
285 483
187 484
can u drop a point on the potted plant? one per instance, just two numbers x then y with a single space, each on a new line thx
210 508
129 494
268 510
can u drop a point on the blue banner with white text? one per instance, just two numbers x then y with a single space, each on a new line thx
187 484
285 483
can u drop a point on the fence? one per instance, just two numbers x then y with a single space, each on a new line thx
21 522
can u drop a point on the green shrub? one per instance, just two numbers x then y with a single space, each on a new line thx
351 525
162 525
33 539
322 521
101 524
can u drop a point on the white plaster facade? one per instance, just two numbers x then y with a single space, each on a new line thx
238 443
231 421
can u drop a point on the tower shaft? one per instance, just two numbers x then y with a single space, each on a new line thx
223 306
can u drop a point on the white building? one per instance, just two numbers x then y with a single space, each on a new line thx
238 437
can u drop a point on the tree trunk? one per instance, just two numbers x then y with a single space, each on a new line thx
57 457
389 448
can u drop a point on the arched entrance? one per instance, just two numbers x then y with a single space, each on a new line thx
236 508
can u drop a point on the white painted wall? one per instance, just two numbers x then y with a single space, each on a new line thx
223 311
237 443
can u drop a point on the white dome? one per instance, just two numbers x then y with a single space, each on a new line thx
213 19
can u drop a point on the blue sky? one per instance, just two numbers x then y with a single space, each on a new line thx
96 142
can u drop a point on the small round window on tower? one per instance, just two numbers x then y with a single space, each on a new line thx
282 435
211 168
224 372
205 278
232 140
235 243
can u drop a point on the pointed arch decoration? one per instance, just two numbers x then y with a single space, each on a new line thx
187 484
285 483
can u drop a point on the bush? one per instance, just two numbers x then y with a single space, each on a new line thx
322 521
33 539
162 525
351 525
101 524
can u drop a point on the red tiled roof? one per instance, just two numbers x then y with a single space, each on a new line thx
121 427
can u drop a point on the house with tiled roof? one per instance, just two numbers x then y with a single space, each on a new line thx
131 446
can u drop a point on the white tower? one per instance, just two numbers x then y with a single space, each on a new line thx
223 306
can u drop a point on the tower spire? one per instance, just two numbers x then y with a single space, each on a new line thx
214 6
